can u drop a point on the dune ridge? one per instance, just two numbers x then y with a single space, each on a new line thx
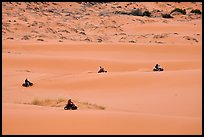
59 47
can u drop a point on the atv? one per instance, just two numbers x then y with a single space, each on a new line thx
27 85
158 69
101 71
72 107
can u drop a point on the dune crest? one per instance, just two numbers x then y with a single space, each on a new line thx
59 47
60 102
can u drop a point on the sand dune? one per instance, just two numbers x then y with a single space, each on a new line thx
129 86
62 61
96 122
98 22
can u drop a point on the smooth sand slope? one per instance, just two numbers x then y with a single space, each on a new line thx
136 100
61 55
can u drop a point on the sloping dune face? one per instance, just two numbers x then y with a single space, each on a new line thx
59 48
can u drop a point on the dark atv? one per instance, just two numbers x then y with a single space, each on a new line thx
101 71
27 84
158 69
70 107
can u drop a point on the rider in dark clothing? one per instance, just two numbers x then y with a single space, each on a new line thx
101 69
70 105
157 66
27 82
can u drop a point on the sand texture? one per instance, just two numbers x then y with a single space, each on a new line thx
60 46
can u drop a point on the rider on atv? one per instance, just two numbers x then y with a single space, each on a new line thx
157 68
27 83
70 105
101 69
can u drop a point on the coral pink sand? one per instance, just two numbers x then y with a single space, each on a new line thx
135 99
